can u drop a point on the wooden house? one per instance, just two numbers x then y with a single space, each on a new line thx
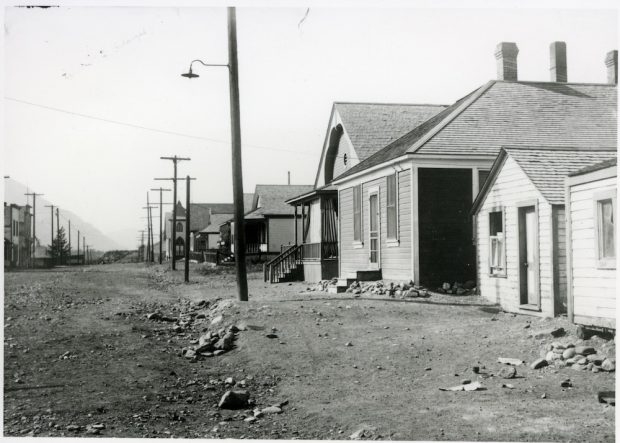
17 235
520 229
404 211
591 195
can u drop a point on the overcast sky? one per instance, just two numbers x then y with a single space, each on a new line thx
124 63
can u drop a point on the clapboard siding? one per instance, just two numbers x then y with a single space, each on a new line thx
511 187
593 289
395 261
344 149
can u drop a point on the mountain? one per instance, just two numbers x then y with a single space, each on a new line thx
14 193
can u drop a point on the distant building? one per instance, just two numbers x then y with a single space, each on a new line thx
17 238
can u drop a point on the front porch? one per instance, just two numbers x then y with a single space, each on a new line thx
314 256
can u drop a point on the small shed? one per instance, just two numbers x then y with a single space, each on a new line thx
591 244
520 232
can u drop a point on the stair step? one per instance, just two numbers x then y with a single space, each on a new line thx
344 282
336 289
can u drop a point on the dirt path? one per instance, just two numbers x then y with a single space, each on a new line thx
79 351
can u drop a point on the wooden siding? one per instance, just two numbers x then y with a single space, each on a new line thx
560 261
344 147
281 232
511 187
593 289
395 261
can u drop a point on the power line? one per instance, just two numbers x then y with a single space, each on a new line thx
146 128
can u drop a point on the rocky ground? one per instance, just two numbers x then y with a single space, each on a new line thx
131 351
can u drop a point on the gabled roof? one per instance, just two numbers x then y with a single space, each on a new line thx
371 126
272 199
510 113
597 167
546 167
216 221
199 214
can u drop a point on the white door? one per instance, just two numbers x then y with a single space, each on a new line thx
374 230
528 256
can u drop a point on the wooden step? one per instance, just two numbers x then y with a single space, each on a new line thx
336 289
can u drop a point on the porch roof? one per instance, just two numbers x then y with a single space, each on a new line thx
315 193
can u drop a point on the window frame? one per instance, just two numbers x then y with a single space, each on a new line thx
497 272
394 240
358 241
598 197
176 229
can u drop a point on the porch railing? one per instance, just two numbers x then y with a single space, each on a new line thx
320 251
279 266
255 248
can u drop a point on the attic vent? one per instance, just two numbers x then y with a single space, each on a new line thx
344 159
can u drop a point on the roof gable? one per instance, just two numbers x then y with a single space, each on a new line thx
273 198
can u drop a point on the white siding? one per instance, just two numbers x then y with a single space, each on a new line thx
395 261
593 289
511 187
314 233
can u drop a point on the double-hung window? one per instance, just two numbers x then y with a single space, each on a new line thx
357 213
497 244
605 230
392 207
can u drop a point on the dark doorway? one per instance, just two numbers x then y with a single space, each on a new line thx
446 250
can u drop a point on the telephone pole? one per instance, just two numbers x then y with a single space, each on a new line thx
149 232
78 248
175 160
84 250
187 226
161 216
34 224
52 232
58 236
142 246
69 261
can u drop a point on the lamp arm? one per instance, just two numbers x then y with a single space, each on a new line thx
207 64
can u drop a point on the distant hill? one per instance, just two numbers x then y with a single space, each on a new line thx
14 193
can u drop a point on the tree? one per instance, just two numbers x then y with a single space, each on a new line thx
59 247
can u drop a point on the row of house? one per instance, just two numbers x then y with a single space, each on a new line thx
17 238
491 188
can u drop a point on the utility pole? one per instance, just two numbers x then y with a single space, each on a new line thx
84 250
187 223
161 190
34 224
69 261
149 232
58 236
142 245
175 160
235 123
52 241
78 248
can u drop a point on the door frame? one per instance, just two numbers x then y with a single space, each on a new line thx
520 233
374 191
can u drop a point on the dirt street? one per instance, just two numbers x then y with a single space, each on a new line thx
82 359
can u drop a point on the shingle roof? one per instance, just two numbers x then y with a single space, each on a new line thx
508 113
547 168
216 221
597 167
199 214
371 126
272 199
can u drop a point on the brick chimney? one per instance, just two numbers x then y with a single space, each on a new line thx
611 61
558 62
506 56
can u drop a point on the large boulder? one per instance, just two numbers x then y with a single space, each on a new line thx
234 400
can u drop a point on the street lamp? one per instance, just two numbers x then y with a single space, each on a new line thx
235 127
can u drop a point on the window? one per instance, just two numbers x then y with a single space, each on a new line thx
392 207
497 244
605 233
179 227
357 213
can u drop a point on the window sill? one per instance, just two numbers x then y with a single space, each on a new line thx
392 243
358 245
606 264
530 308
504 275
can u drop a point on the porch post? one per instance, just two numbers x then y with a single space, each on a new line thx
415 226
295 221
303 223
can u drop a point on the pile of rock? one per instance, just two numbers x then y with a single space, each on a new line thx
400 290
467 288
212 344
580 358
322 285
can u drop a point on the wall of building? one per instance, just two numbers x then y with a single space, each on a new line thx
395 258
560 265
593 289
511 187
281 232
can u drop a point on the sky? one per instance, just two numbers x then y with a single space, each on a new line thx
73 74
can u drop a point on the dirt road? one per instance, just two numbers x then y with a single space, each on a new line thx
79 351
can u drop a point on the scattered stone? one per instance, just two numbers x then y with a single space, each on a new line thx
73 428
566 383
217 320
475 386
543 396
608 397
229 381
348 343
250 419
585 350
271 410
226 342
189 354
218 352
234 400
271 336
551 356
540 363
365 431
508 372
568 353
507 385
510 361
609 364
